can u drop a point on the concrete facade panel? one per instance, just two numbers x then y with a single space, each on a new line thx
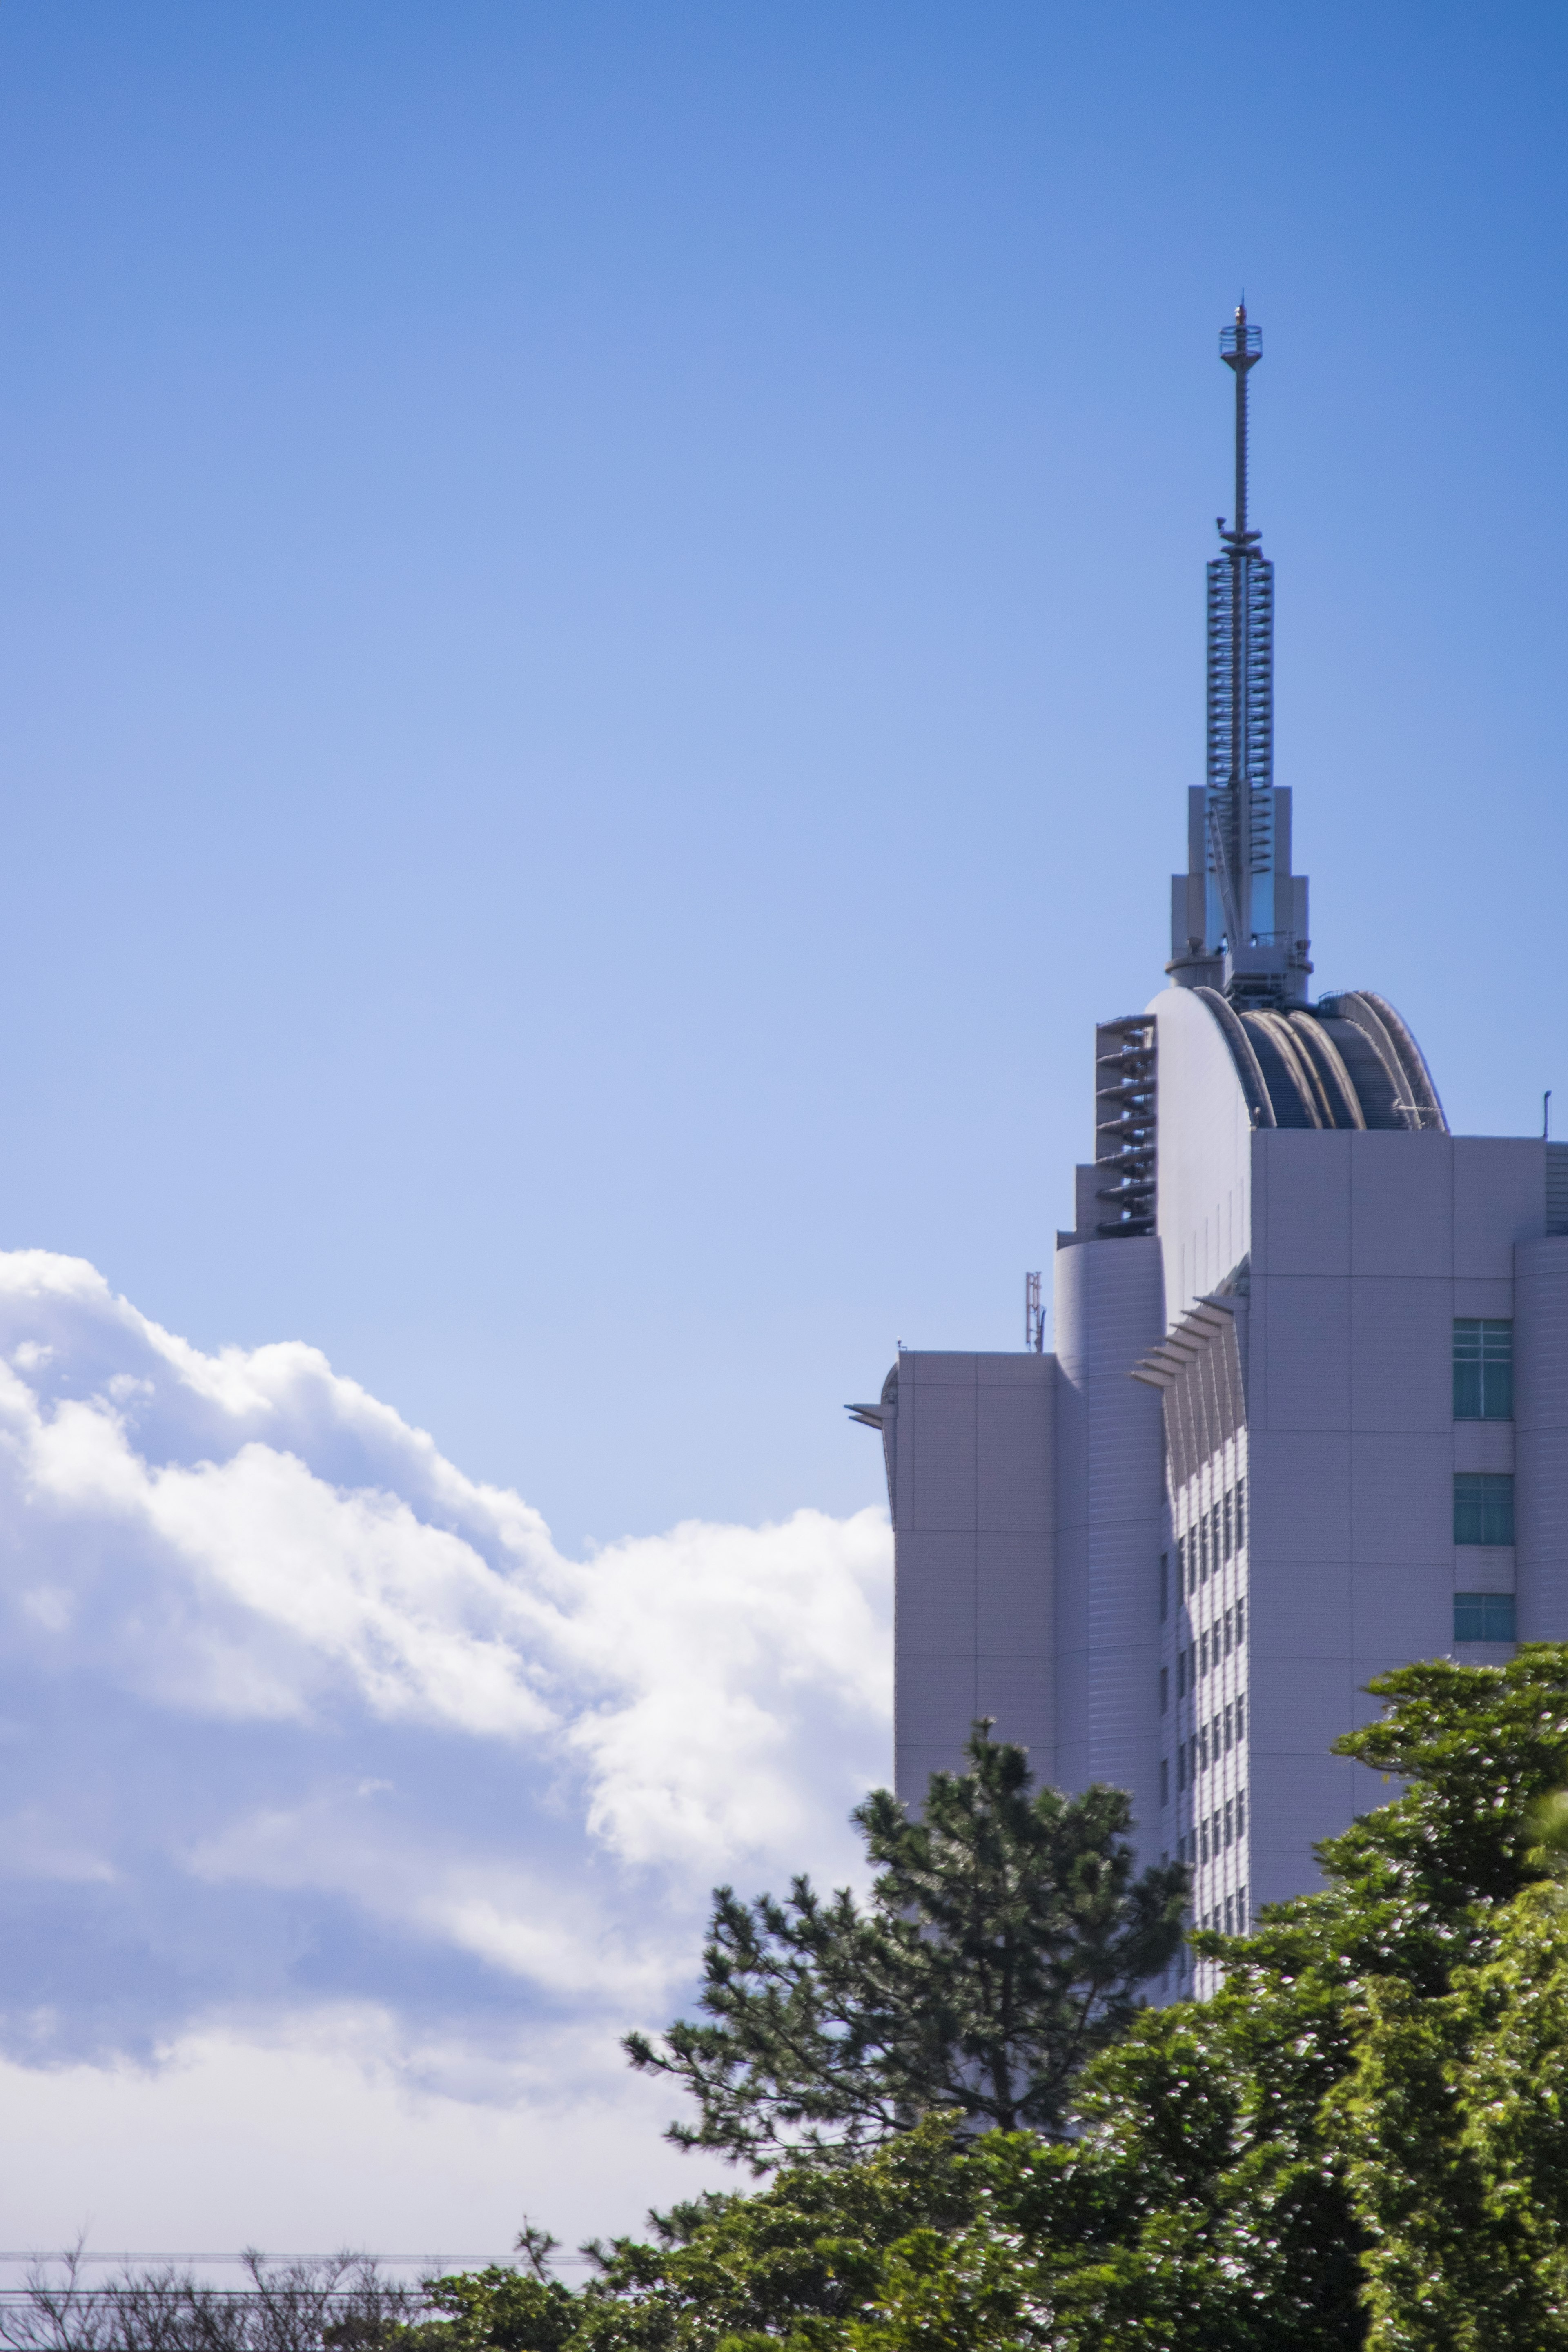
1400 1613
1300 1706
934 1606
1302 1350
940 1431
1300 1609
1402 1205
1486 1567
1013 1611
1016 1692
1300 1491
1308 1190
1013 1441
1401 1496
1401 1353
1490 1297
1541 1437
1484 1446
1499 1198
938 1697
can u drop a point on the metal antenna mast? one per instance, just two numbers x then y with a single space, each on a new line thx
1239 915
1241 348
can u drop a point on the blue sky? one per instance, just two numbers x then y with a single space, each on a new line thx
600 647
600 654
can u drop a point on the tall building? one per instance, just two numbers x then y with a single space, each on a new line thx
1307 1418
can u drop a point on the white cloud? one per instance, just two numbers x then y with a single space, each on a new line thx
301 1724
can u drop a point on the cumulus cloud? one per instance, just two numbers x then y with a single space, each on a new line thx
298 1723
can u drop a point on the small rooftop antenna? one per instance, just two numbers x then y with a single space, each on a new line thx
1034 1316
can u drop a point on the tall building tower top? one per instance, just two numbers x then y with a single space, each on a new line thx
1239 915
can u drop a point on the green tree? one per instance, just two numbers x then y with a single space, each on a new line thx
1004 1942
1452 2118
1360 2139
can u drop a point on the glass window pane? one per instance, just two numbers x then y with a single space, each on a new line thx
1468 1508
1497 1369
1483 1507
1467 1388
1470 1616
1497 1612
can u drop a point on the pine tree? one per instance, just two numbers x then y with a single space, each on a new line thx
1004 1942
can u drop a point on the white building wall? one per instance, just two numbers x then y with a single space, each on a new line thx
1540 1411
1109 1311
974 1608
1365 1247
1205 1152
1030 1498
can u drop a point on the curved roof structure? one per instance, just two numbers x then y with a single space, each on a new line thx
1349 1061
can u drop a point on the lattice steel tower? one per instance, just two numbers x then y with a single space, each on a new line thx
1239 915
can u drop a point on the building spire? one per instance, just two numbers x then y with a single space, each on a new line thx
1238 916
1241 348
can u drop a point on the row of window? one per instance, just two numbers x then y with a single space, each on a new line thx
1215 1832
1483 1369
1214 1537
1211 1741
1218 1641
1483 1514
1229 1918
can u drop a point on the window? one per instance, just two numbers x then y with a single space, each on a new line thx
1180 1764
1203 1548
1240 1513
1164 1779
1483 1370
1227 1728
1164 1586
1240 1623
1203 1748
1229 1820
1164 1690
1241 1716
1229 1916
1203 1654
1241 1910
1483 1617
1181 1673
1203 1841
1214 1537
1483 1507
1228 1537
1228 1632
1241 1816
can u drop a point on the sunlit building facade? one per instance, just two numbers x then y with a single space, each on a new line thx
1307 1413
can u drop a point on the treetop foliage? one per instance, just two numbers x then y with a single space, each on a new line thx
1005 1941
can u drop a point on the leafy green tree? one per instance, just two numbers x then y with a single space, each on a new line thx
1360 2139
1004 1942
1452 2118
